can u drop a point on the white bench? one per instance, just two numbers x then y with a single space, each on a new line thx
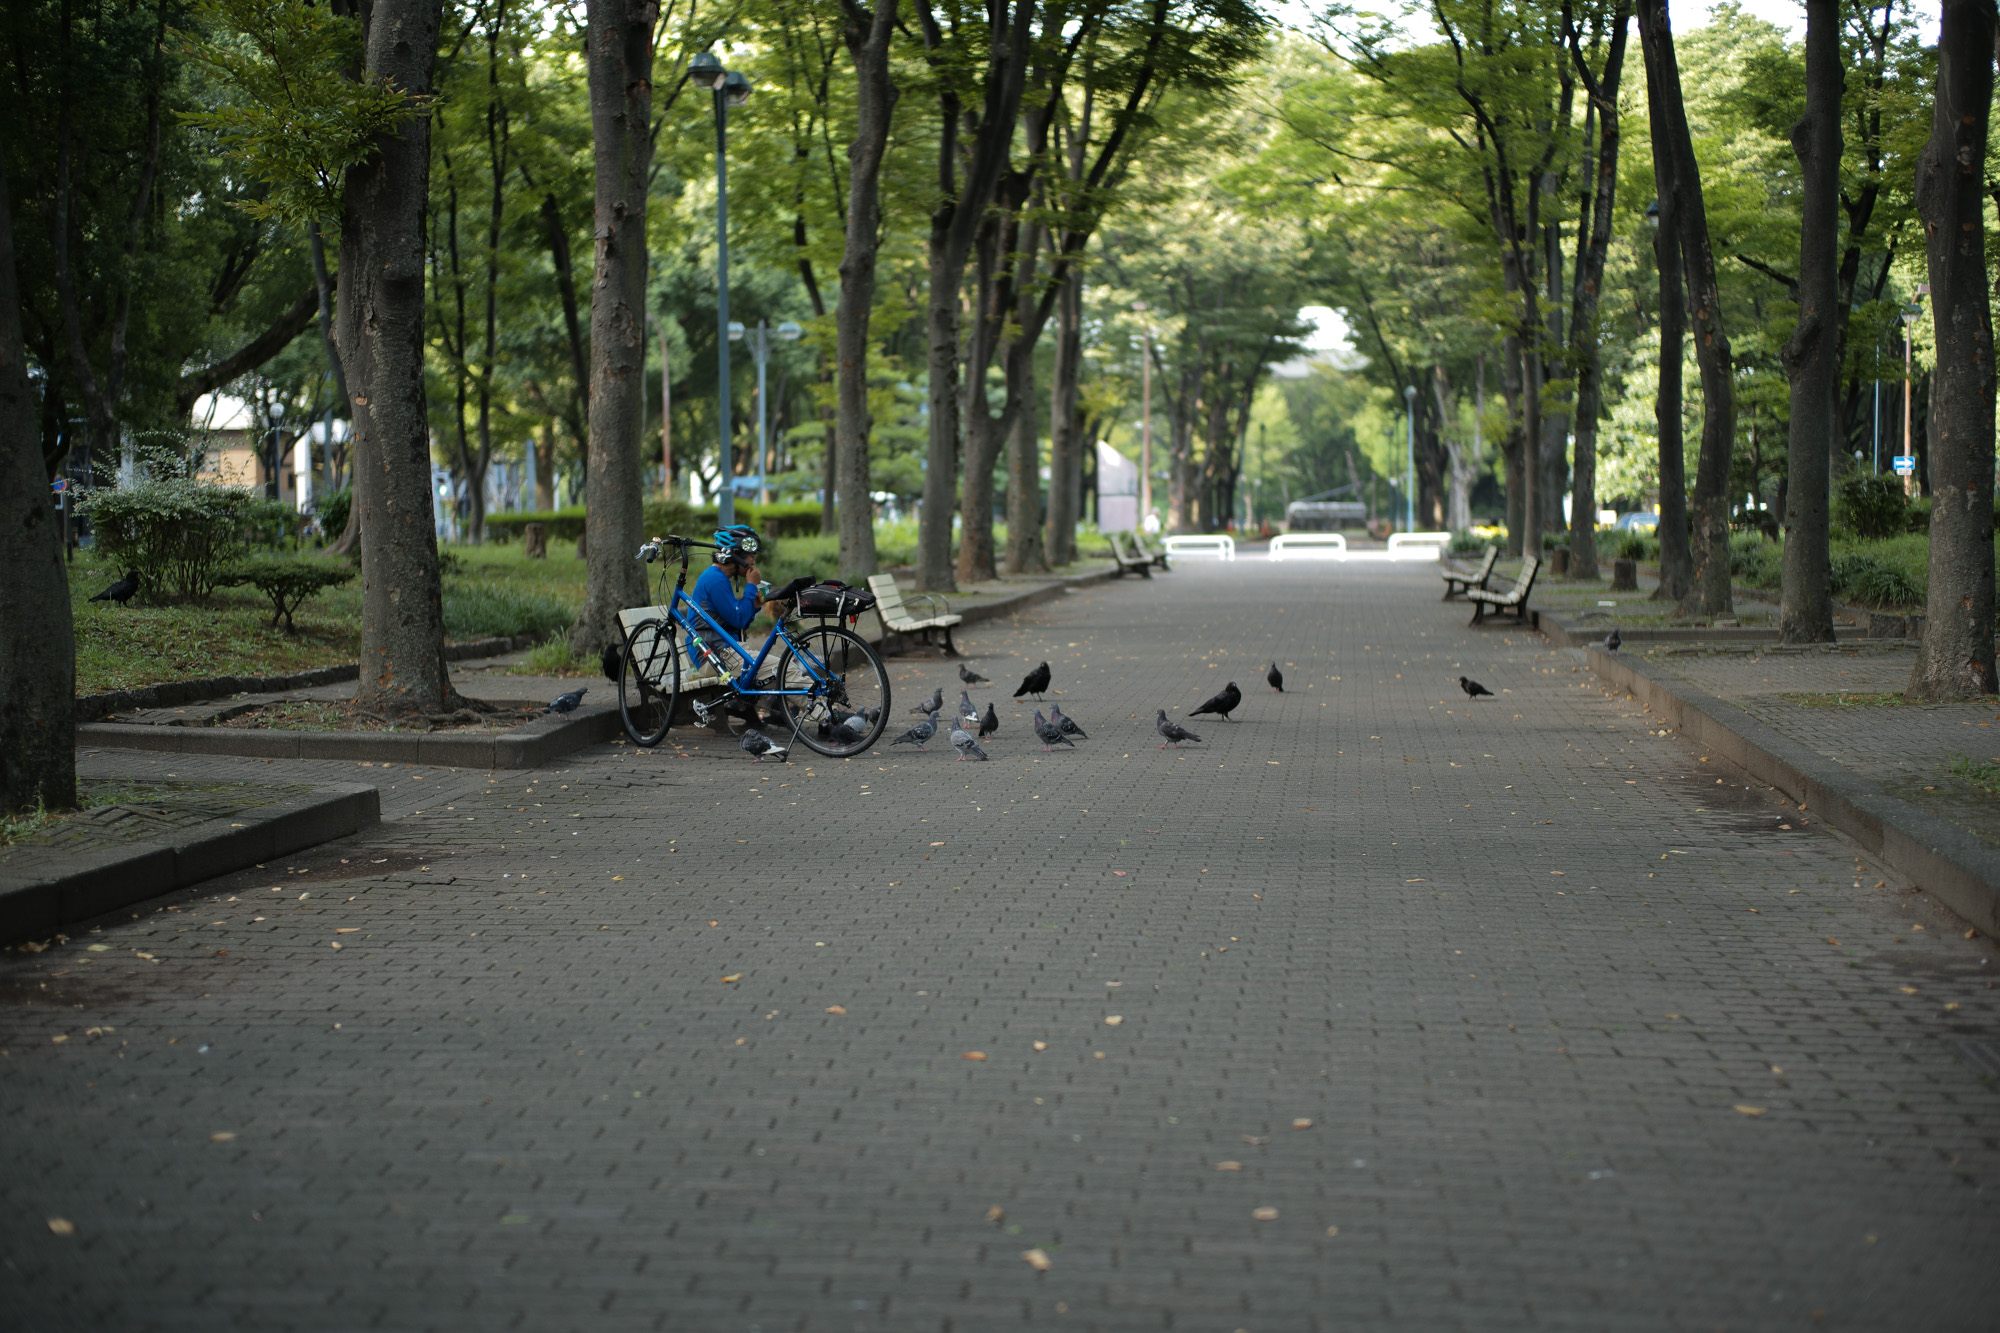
1418 545
1219 544
1330 542
694 675
896 617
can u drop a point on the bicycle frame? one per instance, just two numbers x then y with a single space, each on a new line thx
685 611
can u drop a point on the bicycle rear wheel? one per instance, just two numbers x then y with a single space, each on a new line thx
846 704
649 680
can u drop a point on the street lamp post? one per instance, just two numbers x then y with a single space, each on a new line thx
729 88
1145 416
760 350
1910 314
1410 461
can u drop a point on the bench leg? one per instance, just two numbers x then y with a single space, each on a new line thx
950 649
1478 612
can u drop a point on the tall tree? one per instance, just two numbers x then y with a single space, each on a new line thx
621 103
867 36
37 650
1955 657
1710 593
382 348
1676 560
1812 353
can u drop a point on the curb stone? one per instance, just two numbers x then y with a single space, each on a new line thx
42 894
1948 862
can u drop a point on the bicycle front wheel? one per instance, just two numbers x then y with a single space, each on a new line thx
649 681
845 704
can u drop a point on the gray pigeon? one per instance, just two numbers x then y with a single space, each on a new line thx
756 744
566 703
918 734
1173 731
1050 733
1066 725
968 711
1611 643
931 705
967 747
990 724
969 676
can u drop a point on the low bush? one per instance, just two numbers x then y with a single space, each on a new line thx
178 535
289 583
333 513
790 519
1871 507
1467 542
1873 581
1755 560
1634 544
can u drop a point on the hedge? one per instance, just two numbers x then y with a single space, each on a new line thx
178 535
794 518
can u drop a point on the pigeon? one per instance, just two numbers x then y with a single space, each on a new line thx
969 676
566 703
918 734
1222 704
1066 725
967 747
1036 682
968 711
990 724
1275 678
1050 733
1473 689
1173 731
756 744
613 661
121 591
848 726
931 705
1613 640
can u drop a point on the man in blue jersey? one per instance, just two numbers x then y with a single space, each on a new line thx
730 592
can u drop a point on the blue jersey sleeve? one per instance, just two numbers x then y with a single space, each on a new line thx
713 594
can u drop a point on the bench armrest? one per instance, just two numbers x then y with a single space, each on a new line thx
939 607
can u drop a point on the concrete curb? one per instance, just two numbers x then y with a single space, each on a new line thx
43 890
1949 863
526 746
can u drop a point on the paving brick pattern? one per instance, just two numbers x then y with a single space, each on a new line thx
675 1041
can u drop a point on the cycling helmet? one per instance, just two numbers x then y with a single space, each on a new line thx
736 539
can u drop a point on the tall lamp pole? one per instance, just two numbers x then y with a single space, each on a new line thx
1145 417
1910 314
760 349
1410 461
730 88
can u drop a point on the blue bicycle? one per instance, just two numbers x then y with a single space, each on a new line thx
828 684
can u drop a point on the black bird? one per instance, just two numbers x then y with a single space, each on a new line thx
1275 678
121 591
1611 643
918 734
1066 725
1036 682
566 703
969 676
1473 689
1050 733
930 706
1222 705
990 724
1173 731
756 744
613 661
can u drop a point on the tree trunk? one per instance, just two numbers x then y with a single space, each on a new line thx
1066 426
934 563
1955 657
867 36
1554 477
37 643
1584 331
1024 442
621 108
1510 445
1676 561
1812 354
382 344
350 536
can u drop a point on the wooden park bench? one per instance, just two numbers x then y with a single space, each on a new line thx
1129 560
1159 558
897 618
1456 583
1515 597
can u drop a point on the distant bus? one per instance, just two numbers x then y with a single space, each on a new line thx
1325 515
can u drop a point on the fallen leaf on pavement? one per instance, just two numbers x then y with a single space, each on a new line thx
1255 1141
347 930
1229 1166
225 1136
1302 1123
1041 1046
1907 990
1113 1020
60 1038
62 1226
996 1213
1751 1110
733 976
973 1055
1037 1260
97 948
1264 1214
1333 1231
1834 942
836 1009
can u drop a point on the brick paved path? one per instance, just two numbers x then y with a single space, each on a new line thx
1517 964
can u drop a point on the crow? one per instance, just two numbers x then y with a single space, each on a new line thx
918 734
1050 733
1275 678
121 591
1611 643
969 676
1066 725
756 744
1173 731
613 661
1036 682
967 747
1473 689
990 724
1223 704
930 706
566 703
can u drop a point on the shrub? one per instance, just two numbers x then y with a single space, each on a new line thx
1917 518
176 534
1871 580
1754 560
1873 507
1635 544
485 609
1467 542
333 513
289 583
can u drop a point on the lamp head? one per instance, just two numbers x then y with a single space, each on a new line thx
790 331
1410 393
735 88
736 330
1653 215
705 70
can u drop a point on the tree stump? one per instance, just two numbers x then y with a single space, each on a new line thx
1624 575
535 539
1559 562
